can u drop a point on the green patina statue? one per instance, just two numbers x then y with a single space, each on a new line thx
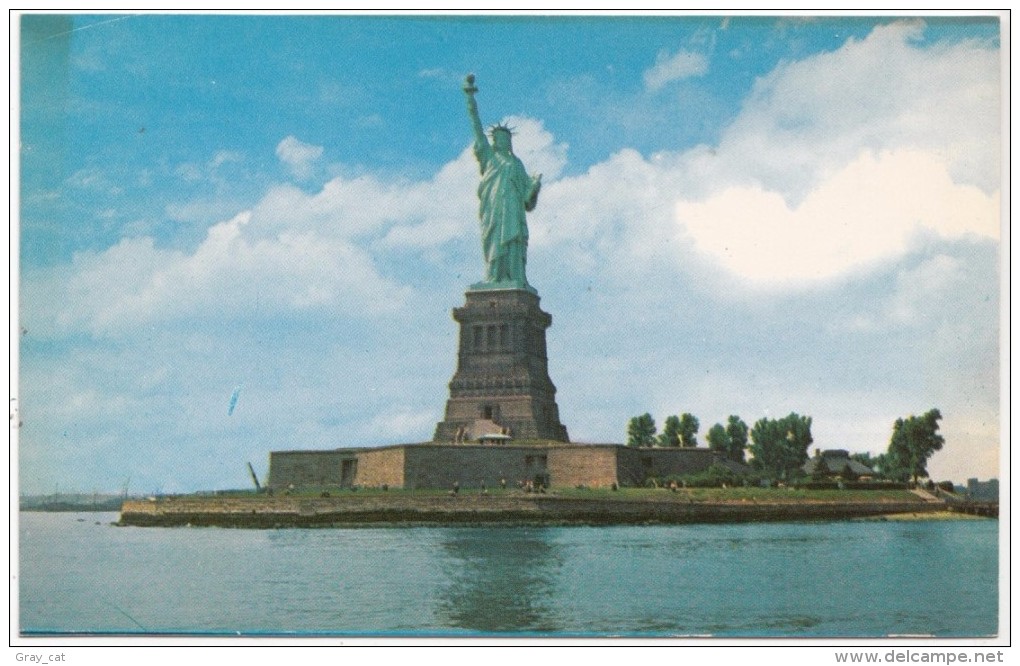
506 193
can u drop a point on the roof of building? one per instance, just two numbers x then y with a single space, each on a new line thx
732 465
834 461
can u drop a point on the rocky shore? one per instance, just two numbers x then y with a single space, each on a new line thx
476 509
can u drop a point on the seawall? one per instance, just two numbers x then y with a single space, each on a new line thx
350 510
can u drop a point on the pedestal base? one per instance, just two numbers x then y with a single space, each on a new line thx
502 385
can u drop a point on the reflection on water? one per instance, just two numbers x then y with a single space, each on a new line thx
500 580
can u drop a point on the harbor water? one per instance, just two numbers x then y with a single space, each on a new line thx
78 573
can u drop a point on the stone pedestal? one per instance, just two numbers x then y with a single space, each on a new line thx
502 380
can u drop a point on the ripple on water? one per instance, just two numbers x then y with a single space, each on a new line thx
777 579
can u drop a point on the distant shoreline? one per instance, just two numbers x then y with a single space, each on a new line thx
401 509
71 507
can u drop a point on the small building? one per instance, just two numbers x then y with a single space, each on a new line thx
987 491
835 462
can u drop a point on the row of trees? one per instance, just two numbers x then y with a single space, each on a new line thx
676 431
730 440
779 447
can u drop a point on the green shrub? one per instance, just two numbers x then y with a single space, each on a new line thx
715 476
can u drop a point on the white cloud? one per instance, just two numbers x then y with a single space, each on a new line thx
298 156
114 293
866 212
224 156
193 172
200 210
834 162
537 147
809 118
91 178
676 67
609 219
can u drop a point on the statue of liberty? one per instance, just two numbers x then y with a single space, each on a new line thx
506 193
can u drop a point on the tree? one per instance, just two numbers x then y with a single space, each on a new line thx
688 430
865 459
766 439
718 440
641 430
736 429
780 446
913 441
670 432
886 468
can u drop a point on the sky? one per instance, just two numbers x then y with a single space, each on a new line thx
241 234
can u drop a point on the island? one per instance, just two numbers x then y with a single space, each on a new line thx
497 506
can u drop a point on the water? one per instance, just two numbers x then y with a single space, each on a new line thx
780 579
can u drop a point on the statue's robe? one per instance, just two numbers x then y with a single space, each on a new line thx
505 193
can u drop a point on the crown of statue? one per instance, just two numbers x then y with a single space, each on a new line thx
501 128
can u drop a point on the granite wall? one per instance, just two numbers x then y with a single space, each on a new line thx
592 466
636 465
470 465
382 467
312 468
436 466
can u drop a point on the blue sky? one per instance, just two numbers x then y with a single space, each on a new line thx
743 216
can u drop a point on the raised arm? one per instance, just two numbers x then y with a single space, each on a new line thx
472 106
